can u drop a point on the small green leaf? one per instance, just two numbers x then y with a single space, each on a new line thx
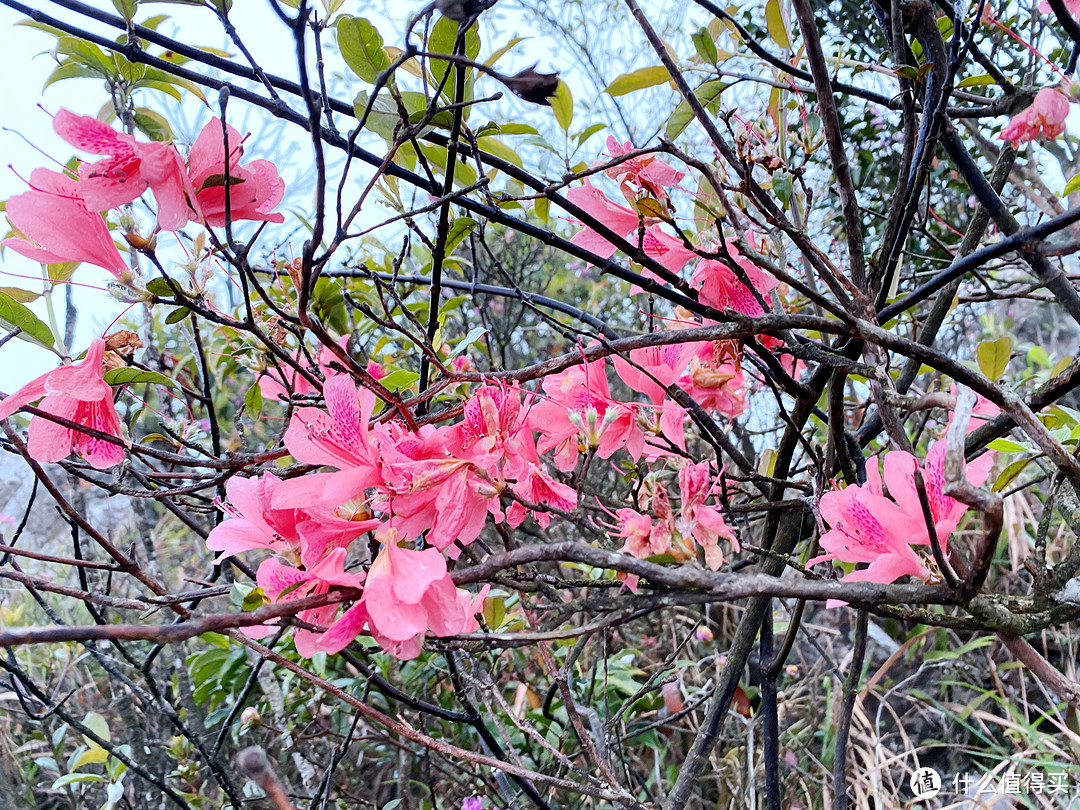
74 778
253 402
777 25
993 356
562 104
126 7
177 315
705 46
1010 446
97 724
474 335
362 48
708 94
13 314
136 376
782 185
461 228
1071 186
976 81
159 287
638 80
1010 473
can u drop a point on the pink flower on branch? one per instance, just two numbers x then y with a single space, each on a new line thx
130 169
645 171
1045 118
57 225
254 187
77 393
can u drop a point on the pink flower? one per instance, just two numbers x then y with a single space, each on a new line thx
429 489
539 488
702 522
283 516
643 538
130 169
407 594
720 288
652 369
59 227
317 578
77 393
618 218
715 380
254 188
1045 118
579 409
1073 7
493 429
277 382
869 528
645 171
945 511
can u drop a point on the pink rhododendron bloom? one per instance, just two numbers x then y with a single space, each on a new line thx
867 527
715 379
644 537
130 169
254 187
719 287
59 227
407 594
579 413
645 171
699 520
317 577
1045 118
429 489
618 218
1073 7
283 516
77 393
339 436
494 429
652 369
539 488
945 511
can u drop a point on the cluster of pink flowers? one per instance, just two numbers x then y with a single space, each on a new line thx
58 218
883 530
442 483
1044 119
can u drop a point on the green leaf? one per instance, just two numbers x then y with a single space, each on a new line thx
21 295
1010 473
253 402
94 755
562 104
97 724
159 287
782 185
777 25
1010 446
474 335
491 60
73 778
976 81
461 228
1071 186
13 314
705 46
638 80
136 376
362 48
177 315
708 94
588 132
126 7
993 356
61 271
152 124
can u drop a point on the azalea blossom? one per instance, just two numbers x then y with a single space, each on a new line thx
716 380
721 288
316 578
579 412
699 520
618 218
56 225
645 171
283 516
130 169
77 393
869 528
1045 118
408 593
539 488
1072 6
254 187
